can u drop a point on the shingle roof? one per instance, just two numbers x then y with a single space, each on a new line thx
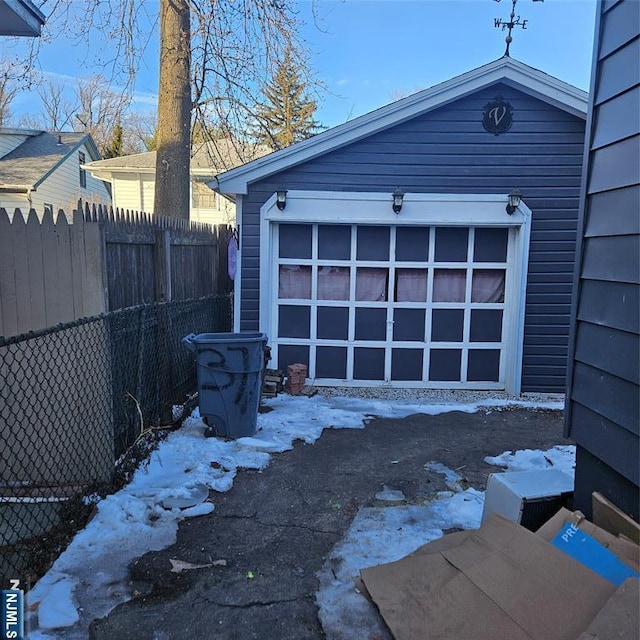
208 158
32 161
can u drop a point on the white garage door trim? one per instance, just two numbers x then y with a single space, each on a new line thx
435 210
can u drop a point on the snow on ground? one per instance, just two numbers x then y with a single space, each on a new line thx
384 534
89 578
561 457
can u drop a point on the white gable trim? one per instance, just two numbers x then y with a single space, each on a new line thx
511 72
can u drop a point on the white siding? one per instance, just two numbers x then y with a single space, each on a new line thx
11 201
211 216
136 192
148 194
126 192
133 192
223 211
62 187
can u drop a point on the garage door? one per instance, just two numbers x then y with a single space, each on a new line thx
395 304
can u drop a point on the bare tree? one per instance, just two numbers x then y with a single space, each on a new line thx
58 108
8 90
139 131
234 46
100 110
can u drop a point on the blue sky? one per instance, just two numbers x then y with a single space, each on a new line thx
370 52
372 49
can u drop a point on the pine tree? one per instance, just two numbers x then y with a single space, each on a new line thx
115 148
286 116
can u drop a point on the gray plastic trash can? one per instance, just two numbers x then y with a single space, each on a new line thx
230 370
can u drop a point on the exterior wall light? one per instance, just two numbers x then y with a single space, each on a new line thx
515 197
281 199
397 200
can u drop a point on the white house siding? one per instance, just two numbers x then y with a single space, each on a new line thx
62 187
148 193
137 193
126 192
10 202
225 213
133 192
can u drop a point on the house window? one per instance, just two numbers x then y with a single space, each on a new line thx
203 198
83 173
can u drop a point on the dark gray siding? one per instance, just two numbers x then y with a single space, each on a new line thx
603 390
448 151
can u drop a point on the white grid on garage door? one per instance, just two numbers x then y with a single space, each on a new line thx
379 304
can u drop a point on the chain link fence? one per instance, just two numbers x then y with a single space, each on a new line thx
74 399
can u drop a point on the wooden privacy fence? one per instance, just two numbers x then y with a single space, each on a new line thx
103 260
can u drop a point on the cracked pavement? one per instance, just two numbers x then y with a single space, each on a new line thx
275 527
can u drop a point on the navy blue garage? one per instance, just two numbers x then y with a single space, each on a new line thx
449 288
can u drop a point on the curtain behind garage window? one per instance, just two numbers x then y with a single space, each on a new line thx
294 281
333 283
487 285
449 285
371 284
411 285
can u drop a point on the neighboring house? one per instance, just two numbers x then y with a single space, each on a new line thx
448 291
603 391
133 179
20 18
43 171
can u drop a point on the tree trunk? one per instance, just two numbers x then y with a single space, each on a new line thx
172 195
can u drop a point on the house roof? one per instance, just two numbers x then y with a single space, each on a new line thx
31 162
505 70
20 18
208 159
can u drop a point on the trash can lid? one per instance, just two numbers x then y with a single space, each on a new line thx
242 336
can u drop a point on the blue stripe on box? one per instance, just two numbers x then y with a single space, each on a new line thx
588 551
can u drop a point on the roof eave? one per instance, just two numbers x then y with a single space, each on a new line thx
22 17
12 131
108 173
539 85
16 188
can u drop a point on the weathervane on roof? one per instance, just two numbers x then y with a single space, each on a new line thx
508 25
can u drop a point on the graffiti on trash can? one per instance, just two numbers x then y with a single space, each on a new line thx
224 377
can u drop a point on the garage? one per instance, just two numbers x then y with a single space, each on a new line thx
445 287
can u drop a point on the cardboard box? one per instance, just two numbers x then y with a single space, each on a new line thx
627 551
607 516
620 616
529 498
501 581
